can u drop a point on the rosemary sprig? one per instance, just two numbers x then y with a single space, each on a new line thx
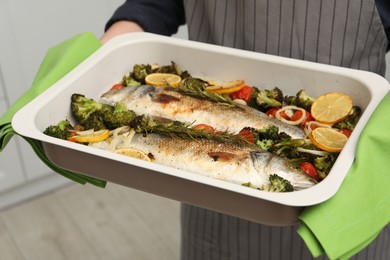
145 125
196 88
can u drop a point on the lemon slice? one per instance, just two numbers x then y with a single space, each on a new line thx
328 139
90 136
227 87
163 79
331 108
133 152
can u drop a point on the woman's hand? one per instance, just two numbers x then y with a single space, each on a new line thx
119 28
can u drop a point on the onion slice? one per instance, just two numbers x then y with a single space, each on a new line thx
286 108
308 125
315 152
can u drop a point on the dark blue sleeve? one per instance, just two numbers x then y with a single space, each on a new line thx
383 7
155 16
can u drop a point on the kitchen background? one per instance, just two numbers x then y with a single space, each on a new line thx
28 29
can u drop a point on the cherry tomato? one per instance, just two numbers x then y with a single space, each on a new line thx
205 127
310 170
346 132
272 112
247 134
117 86
244 93
298 114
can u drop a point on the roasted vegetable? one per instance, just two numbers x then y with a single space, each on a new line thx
301 99
62 130
278 184
287 148
173 69
269 136
82 107
114 117
94 121
324 164
140 71
266 99
196 88
91 114
351 121
137 76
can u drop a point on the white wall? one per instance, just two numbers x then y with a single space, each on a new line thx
28 29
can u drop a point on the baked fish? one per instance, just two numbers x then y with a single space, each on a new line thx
171 104
229 161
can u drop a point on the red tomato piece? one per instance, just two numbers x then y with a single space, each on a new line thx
310 170
298 114
272 112
117 86
244 93
346 132
204 127
247 134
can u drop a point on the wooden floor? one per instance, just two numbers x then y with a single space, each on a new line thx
85 222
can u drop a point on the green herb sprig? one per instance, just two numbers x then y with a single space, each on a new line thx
145 124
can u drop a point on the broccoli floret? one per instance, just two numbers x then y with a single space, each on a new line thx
301 99
82 107
252 100
62 130
117 116
140 71
287 148
249 185
173 69
290 100
95 115
278 184
269 132
264 144
269 136
304 100
351 121
95 121
324 164
266 99
129 81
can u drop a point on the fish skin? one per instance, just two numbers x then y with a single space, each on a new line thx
235 163
164 102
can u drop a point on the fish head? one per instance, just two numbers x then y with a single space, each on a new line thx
126 93
268 164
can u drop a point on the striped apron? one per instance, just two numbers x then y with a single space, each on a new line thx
347 33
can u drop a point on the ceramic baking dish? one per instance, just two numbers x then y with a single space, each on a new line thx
108 65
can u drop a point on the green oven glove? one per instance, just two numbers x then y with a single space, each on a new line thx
346 223
58 61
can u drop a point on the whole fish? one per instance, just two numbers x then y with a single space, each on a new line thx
229 161
171 104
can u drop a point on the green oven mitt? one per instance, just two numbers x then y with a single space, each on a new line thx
346 223
58 61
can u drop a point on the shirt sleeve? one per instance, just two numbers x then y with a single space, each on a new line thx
156 16
383 7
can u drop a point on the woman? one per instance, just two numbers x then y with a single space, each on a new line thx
352 34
